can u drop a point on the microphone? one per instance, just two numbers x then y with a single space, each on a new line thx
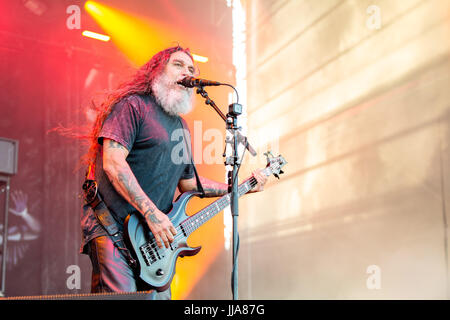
191 82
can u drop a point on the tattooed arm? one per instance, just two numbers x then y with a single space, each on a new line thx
126 184
211 188
217 189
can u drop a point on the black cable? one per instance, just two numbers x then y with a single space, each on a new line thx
229 85
237 232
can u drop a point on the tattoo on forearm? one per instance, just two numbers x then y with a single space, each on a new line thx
131 187
212 192
213 188
127 182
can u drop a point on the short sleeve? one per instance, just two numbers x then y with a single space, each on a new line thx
122 124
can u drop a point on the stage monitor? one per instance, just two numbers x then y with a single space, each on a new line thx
9 152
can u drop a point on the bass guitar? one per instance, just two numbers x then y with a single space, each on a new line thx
156 266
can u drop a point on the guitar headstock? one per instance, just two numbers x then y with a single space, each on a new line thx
275 163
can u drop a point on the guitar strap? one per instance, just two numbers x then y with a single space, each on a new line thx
104 217
199 185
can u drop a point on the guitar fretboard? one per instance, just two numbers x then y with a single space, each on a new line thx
195 221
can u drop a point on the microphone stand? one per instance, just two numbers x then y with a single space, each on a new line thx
234 110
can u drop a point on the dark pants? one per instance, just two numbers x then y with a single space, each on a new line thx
111 272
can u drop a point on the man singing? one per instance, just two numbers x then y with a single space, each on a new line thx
130 154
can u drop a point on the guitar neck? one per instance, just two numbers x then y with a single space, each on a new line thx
198 219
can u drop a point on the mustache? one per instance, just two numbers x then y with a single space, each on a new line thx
173 100
177 85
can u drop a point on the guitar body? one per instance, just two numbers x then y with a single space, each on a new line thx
157 265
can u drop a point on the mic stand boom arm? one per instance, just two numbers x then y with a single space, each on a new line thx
230 119
210 102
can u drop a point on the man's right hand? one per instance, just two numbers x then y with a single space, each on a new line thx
161 227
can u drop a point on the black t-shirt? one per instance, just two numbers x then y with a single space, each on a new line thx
158 156
153 139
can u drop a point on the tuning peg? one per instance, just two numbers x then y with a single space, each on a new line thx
277 176
281 171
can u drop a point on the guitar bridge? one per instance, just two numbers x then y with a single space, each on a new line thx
148 254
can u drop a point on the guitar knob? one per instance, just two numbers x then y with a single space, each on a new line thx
159 272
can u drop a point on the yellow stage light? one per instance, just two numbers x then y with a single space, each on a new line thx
137 37
199 58
95 35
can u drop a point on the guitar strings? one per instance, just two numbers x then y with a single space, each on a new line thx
179 230
153 245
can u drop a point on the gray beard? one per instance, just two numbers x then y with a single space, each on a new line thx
173 100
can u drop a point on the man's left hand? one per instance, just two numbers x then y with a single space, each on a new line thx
261 178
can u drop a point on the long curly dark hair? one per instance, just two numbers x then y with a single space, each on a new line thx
140 84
